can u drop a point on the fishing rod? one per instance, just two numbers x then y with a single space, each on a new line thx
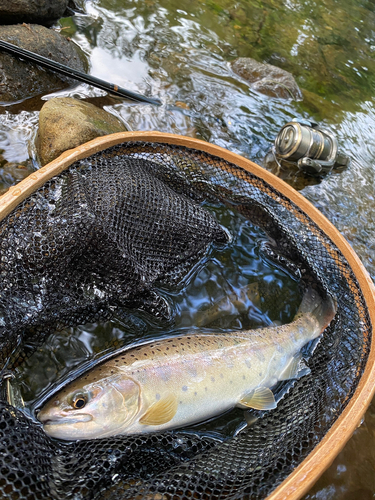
77 75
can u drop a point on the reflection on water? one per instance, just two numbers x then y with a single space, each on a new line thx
348 199
351 476
180 52
16 135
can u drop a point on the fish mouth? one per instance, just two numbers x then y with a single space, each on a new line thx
84 417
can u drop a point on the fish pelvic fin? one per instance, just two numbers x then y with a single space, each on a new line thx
160 412
323 310
296 368
261 398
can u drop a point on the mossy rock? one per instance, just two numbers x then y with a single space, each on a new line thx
65 123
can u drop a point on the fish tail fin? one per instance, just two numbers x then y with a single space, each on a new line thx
323 310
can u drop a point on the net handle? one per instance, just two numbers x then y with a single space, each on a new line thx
306 474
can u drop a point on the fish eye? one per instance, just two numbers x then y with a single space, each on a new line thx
79 401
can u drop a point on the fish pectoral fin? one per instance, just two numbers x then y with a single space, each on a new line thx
296 368
261 398
160 412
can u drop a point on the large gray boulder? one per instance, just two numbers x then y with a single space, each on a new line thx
20 79
65 123
267 79
31 11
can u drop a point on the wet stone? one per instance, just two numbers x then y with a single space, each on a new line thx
42 11
12 172
267 79
81 122
20 79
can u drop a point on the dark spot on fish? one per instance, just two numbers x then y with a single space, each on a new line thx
184 388
112 371
205 388
243 376
195 393
247 363
212 379
260 356
145 354
221 375
231 382
260 374
157 396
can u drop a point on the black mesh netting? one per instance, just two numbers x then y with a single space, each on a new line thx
94 241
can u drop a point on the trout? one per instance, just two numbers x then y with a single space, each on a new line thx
178 381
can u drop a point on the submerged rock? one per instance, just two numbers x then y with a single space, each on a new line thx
12 172
267 79
65 123
42 11
20 79
321 108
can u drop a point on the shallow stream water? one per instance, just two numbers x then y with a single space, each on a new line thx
180 52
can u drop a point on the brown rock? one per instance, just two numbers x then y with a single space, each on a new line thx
20 79
267 79
42 11
65 123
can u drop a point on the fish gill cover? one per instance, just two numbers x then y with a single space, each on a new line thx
88 245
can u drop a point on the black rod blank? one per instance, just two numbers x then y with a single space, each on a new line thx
73 73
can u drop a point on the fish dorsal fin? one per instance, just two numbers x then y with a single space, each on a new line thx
296 368
261 398
160 412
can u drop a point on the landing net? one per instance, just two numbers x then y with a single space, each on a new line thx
92 243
